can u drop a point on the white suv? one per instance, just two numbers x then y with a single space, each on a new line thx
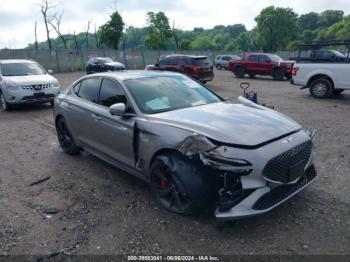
222 61
25 81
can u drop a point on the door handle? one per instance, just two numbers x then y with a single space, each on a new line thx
96 117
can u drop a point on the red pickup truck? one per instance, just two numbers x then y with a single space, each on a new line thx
262 64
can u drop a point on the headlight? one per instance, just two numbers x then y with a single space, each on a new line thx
55 84
11 85
310 132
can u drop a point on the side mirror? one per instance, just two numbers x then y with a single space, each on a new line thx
50 71
118 109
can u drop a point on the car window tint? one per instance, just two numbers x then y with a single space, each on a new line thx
253 58
89 89
111 93
263 58
226 58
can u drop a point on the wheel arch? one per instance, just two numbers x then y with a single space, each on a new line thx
162 151
314 77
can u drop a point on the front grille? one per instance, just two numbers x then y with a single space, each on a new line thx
36 87
280 193
39 97
280 168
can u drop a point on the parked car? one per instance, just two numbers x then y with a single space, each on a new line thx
197 67
262 64
196 150
323 78
25 81
221 61
326 56
103 64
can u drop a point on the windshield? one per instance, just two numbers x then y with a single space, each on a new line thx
167 93
21 69
105 60
275 58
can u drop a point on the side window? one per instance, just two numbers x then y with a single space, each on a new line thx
218 58
253 58
111 93
226 58
172 61
164 62
263 59
89 89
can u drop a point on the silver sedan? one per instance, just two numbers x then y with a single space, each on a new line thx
196 150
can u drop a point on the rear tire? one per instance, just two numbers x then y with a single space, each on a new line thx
277 74
4 105
321 88
65 138
239 72
179 185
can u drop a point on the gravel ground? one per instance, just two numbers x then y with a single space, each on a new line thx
90 207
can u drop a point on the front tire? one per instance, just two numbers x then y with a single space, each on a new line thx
180 185
239 72
4 105
321 88
218 66
65 138
277 74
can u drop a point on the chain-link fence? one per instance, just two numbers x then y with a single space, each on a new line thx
73 60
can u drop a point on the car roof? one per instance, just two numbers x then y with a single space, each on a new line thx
259 53
12 61
135 74
182 55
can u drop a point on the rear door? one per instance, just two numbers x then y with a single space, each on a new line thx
82 110
252 64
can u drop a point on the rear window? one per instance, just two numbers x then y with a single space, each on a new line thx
201 61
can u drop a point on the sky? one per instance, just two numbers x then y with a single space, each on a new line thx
17 17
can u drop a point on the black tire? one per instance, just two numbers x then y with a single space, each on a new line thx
251 76
321 88
65 138
277 74
218 66
52 103
239 72
3 103
181 186
288 76
337 91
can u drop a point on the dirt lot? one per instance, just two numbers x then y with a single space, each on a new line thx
90 207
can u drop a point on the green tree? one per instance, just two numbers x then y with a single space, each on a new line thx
243 42
221 40
159 31
276 27
330 17
185 44
235 30
308 21
202 42
111 32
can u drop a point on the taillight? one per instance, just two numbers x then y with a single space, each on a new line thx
194 69
295 71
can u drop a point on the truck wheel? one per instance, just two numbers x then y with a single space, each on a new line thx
337 91
179 185
239 72
218 66
277 74
321 88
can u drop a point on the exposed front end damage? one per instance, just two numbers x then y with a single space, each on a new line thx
254 180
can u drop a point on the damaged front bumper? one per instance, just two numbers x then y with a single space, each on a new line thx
266 198
252 181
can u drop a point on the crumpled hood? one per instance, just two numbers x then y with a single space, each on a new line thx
115 64
233 123
31 79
